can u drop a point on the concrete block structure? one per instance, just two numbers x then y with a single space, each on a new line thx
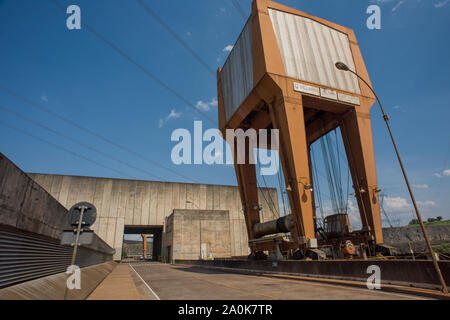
135 206
197 234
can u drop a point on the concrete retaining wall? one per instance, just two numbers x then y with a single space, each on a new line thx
418 273
31 222
52 287
27 206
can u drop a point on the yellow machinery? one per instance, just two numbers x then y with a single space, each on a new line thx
145 238
281 77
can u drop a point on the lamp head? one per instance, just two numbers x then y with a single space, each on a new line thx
341 66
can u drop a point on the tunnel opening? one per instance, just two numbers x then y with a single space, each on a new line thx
133 243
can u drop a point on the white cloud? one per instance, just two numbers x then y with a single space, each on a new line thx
427 203
381 1
441 4
437 5
396 107
389 2
420 186
445 173
206 106
353 212
398 5
396 204
399 204
172 115
228 48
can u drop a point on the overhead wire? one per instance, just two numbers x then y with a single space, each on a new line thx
91 132
239 8
175 36
56 132
64 149
141 67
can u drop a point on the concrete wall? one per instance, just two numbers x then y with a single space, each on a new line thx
188 230
25 205
148 203
31 218
52 287
418 273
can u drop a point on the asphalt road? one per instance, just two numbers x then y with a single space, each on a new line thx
176 282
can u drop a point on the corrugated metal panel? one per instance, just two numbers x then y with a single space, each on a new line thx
310 49
24 258
237 73
27 257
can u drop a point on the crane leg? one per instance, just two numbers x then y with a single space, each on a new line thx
356 132
246 178
287 116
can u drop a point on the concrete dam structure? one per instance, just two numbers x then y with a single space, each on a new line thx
135 207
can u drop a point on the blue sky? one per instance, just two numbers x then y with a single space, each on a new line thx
73 73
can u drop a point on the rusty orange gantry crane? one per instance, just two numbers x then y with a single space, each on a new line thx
281 75
145 238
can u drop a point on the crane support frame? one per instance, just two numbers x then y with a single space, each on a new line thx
258 88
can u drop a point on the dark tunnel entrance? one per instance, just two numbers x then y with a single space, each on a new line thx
132 236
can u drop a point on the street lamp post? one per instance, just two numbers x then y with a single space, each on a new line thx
342 66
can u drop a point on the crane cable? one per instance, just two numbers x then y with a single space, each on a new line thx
328 174
282 192
333 172
317 184
272 203
336 174
265 199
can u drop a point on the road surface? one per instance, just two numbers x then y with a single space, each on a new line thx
178 282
